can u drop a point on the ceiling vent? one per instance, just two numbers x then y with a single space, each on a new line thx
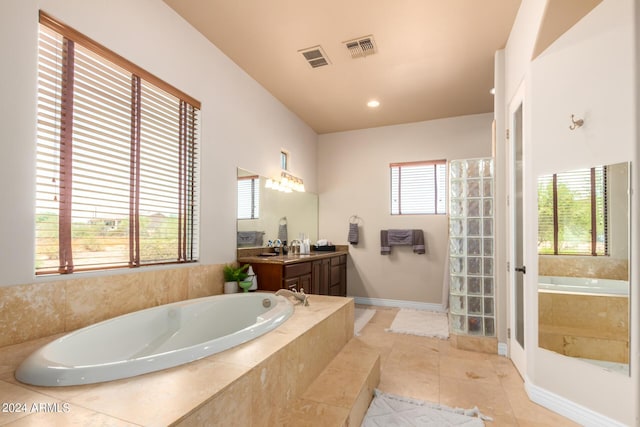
315 56
361 47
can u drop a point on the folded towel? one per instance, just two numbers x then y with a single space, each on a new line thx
250 238
389 238
418 242
385 249
354 234
400 237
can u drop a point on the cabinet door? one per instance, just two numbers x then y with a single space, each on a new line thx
305 283
292 283
316 270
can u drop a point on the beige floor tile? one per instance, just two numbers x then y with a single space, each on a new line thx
491 399
433 370
467 369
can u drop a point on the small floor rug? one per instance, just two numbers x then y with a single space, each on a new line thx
390 410
421 322
361 317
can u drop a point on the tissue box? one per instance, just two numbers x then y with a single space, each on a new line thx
327 248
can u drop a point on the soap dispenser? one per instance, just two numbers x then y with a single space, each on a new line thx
254 279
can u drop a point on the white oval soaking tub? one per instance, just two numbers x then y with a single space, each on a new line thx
154 339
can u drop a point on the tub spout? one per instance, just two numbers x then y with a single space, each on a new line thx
300 296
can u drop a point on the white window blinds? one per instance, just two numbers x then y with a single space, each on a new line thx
418 188
249 197
572 213
116 161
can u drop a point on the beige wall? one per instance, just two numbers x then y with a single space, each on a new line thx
589 72
238 117
241 123
353 179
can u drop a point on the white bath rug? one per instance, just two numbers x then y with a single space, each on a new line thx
390 410
361 317
421 322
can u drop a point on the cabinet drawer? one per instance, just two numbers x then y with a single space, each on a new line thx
297 269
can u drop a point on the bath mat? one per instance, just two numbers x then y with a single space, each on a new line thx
361 317
421 322
390 410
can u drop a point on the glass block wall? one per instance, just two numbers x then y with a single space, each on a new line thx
471 247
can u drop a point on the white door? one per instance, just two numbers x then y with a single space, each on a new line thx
517 269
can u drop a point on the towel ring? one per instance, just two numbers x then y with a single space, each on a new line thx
283 220
355 219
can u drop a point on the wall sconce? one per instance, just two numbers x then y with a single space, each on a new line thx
286 183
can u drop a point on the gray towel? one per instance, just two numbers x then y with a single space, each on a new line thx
400 237
250 238
389 238
418 242
385 249
282 232
354 234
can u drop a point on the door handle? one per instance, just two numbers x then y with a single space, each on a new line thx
522 269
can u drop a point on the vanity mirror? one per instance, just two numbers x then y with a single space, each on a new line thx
583 264
262 212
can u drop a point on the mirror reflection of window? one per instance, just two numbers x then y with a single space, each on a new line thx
249 197
572 213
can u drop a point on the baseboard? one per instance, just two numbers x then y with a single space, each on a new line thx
565 407
381 302
502 349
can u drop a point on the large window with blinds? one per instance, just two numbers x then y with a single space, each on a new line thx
116 160
572 213
418 187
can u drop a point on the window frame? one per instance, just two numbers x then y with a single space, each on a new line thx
439 188
254 193
184 164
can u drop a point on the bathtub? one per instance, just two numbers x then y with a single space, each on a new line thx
579 285
154 339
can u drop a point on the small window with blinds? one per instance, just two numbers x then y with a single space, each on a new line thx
418 188
249 197
572 213
116 160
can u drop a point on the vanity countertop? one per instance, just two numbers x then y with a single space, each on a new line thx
290 258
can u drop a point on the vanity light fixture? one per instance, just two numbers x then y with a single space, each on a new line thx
286 183
374 103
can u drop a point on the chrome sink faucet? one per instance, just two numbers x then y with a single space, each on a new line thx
300 296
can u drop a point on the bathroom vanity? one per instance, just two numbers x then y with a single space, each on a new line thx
322 273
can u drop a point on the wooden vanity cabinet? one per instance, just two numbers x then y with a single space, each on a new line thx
338 276
324 276
297 277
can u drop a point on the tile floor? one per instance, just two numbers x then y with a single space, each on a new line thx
430 369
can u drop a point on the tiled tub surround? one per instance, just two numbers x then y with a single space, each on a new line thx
601 267
586 326
244 385
50 307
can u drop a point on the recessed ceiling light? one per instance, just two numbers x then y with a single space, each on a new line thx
373 103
